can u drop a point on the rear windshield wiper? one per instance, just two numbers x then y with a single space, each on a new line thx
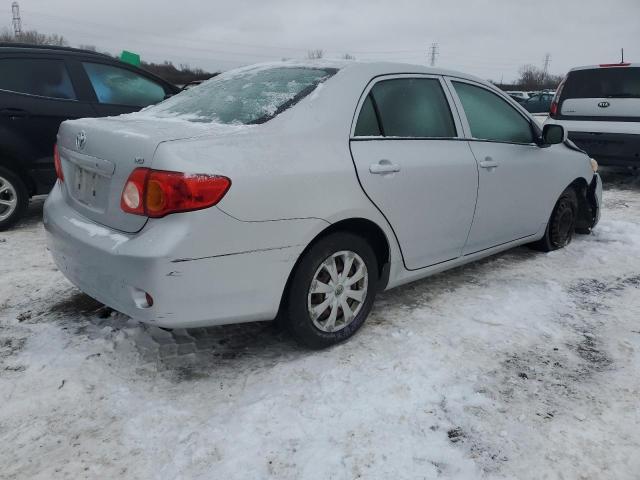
622 95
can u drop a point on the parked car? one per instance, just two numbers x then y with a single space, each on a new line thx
539 103
40 86
600 107
518 96
302 190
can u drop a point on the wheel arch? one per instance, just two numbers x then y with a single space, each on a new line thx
585 213
362 227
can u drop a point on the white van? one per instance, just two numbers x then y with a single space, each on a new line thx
600 108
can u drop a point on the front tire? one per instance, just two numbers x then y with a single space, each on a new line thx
562 223
332 290
14 198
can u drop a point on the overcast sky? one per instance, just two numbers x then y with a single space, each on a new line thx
488 38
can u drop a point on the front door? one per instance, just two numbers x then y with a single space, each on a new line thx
511 167
415 168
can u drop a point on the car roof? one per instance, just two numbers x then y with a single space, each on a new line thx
28 48
605 65
367 68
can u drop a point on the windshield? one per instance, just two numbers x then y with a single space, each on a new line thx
615 82
247 96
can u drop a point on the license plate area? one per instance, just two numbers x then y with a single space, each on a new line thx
89 187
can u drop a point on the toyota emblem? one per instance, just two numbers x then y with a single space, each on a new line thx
81 140
604 104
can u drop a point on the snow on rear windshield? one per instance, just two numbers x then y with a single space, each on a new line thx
248 96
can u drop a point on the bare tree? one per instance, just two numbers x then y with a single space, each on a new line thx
33 37
91 48
315 54
534 78
348 56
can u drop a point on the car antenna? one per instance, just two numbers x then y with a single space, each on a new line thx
622 53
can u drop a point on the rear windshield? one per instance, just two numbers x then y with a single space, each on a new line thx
247 96
614 82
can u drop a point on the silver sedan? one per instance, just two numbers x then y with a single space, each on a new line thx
300 190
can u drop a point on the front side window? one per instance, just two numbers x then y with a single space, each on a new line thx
119 86
408 108
245 96
42 77
491 117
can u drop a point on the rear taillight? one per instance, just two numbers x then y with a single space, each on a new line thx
609 65
156 193
57 163
553 110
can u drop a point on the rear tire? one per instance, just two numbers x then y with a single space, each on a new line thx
14 198
562 223
331 291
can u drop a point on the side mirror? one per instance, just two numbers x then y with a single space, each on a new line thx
553 134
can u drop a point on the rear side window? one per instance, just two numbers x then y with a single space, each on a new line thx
119 86
614 82
491 117
42 77
367 125
407 107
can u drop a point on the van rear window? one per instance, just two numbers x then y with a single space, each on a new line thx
614 82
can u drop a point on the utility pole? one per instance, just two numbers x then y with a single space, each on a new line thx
433 53
17 22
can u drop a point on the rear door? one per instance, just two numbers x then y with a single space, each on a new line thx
512 166
415 167
119 89
37 93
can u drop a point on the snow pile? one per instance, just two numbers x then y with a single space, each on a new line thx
524 365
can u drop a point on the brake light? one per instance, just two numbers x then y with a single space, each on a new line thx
605 65
57 163
156 193
553 110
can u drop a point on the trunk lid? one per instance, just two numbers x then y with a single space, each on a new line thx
99 154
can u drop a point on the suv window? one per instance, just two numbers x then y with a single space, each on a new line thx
119 86
408 107
43 77
613 82
490 117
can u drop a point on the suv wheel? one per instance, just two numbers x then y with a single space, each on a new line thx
332 290
13 198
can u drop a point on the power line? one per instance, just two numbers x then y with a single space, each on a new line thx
547 62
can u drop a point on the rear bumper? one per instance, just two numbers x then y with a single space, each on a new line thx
117 269
614 149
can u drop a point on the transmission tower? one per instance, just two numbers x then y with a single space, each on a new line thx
433 53
547 62
17 22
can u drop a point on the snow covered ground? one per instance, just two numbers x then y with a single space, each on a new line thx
525 365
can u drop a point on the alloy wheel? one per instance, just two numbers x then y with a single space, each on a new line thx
338 291
8 199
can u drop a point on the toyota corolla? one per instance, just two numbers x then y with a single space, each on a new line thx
300 190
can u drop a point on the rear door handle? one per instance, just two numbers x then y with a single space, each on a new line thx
488 162
14 113
384 166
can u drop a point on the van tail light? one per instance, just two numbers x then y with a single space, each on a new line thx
555 103
156 193
57 163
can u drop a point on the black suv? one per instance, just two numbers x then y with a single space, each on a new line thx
40 87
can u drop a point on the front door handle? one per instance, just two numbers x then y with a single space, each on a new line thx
488 162
14 113
384 166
